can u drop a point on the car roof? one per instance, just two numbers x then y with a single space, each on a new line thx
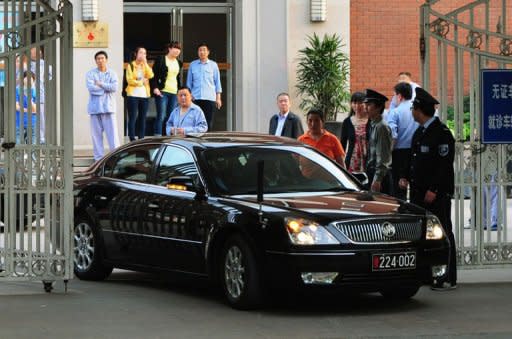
205 141
220 139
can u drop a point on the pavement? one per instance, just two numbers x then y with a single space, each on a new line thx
140 305
485 275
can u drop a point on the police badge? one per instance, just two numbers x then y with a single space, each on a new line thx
443 150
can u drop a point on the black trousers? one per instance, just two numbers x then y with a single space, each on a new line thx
400 164
386 184
441 208
208 109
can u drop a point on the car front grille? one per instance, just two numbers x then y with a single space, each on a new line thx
371 231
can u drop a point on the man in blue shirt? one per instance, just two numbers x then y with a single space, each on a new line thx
187 117
102 85
203 78
404 77
38 67
403 126
26 104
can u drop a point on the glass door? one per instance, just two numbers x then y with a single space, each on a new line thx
190 24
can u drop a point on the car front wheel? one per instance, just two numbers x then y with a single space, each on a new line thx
88 252
239 274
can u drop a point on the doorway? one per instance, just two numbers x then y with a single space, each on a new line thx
153 24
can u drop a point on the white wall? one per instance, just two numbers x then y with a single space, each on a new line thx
269 34
110 11
261 58
299 27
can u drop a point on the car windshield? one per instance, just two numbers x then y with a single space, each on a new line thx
287 169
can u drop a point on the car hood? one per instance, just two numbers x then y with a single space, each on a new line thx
335 206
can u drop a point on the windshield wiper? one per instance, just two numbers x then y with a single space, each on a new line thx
339 189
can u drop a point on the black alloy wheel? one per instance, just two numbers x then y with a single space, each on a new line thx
239 274
88 252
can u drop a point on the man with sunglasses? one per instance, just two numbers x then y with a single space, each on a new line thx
431 173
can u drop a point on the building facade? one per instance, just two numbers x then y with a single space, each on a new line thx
385 40
255 43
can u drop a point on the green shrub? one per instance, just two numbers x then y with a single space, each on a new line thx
450 119
323 72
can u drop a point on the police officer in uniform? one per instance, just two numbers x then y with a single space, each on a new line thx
378 167
431 174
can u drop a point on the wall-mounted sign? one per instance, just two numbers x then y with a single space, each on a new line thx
496 99
90 34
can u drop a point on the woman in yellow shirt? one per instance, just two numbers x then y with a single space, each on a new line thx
166 82
138 73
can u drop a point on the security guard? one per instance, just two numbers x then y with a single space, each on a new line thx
379 144
431 174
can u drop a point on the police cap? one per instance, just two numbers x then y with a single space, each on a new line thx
423 98
374 96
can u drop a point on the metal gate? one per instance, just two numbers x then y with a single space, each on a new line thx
36 121
455 46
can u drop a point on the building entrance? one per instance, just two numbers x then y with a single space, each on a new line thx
153 24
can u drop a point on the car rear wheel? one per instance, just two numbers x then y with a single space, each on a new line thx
240 275
400 292
88 252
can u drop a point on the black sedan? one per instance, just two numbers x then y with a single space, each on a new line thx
249 212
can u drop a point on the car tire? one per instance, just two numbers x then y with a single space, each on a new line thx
88 250
239 274
400 292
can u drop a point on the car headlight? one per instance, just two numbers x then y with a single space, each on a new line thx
307 232
434 228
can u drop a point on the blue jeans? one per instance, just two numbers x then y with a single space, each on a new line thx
164 106
490 215
137 120
22 130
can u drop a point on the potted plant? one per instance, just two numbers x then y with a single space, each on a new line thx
323 72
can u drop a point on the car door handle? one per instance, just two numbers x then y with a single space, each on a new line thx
100 197
153 205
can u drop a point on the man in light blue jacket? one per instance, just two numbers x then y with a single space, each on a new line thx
187 117
102 85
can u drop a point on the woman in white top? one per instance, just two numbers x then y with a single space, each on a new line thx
138 73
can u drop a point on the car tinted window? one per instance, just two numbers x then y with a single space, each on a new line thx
175 162
293 169
133 164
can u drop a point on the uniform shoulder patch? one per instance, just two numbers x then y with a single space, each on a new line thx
443 150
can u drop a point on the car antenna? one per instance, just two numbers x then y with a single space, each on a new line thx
259 188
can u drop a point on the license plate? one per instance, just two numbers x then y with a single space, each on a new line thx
394 261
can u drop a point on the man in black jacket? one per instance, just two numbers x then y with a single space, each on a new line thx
431 173
285 123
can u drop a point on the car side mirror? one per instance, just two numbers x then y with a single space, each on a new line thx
185 183
361 177
181 183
